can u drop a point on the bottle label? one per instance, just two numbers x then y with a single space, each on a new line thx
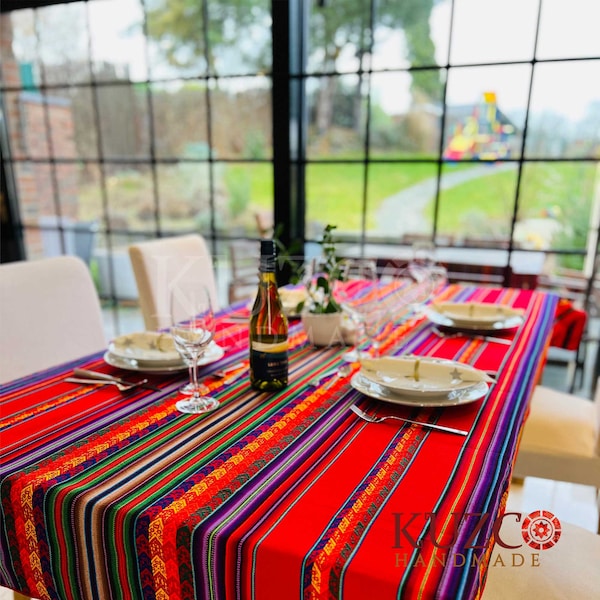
269 361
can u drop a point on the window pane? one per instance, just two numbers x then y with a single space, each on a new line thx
569 29
491 31
241 118
410 34
338 35
20 59
556 205
118 47
404 121
334 195
246 195
63 45
240 37
175 39
336 119
180 120
564 119
397 197
124 121
35 191
486 112
476 202
130 191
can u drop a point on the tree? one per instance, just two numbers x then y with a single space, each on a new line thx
178 28
334 27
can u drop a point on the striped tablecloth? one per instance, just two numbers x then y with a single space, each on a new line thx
272 496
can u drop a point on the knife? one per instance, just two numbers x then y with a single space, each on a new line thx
107 377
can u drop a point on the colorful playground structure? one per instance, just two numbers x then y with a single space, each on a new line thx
484 134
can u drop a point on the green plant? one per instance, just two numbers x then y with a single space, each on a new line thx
321 278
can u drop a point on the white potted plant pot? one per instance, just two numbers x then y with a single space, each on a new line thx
324 329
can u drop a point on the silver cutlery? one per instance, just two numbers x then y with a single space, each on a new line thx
372 419
120 386
476 336
87 374
342 371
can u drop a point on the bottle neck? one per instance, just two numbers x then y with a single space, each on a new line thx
267 264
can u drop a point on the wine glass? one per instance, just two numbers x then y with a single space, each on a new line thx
192 329
356 295
376 315
411 287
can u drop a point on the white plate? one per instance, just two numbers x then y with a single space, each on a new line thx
454 398
421 376
213 353
150 348
475 316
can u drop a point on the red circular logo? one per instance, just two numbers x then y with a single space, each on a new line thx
541 529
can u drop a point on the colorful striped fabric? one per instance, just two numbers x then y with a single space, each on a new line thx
271 496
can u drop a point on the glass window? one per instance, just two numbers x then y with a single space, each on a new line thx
485 112
569 29
398 194
486 31
556 206
564 118
405 121
476 202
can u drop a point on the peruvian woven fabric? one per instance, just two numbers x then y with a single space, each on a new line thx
271 496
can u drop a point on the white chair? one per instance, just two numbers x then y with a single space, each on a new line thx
568 570
49 314
159 264
561 438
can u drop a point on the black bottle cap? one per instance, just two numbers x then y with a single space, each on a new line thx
268 248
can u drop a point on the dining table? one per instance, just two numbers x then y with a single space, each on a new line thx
110 494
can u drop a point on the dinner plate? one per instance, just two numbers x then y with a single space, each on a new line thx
213 353
453 398
474 316
421 376
148 348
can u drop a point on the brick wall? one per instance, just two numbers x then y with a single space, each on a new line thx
29 117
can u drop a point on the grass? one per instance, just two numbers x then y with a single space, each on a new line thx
334 194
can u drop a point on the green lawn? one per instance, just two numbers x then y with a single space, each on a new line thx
334 195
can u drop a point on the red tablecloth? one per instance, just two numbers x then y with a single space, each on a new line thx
287 495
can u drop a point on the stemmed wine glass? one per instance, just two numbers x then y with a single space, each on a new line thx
410 288
192 329
357 294
376 315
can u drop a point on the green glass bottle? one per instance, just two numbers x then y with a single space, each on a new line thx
268 328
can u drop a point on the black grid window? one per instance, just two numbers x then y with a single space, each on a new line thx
475 125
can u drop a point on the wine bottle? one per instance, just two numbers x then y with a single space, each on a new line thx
268 328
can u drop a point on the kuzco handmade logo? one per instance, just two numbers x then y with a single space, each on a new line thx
459 533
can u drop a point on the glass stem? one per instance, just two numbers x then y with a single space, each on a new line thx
194 375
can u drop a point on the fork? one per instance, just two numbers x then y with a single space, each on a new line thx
476 336
120 386
372 419
97 376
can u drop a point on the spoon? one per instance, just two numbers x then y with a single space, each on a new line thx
342 371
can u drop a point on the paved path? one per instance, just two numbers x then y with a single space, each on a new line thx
404 212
